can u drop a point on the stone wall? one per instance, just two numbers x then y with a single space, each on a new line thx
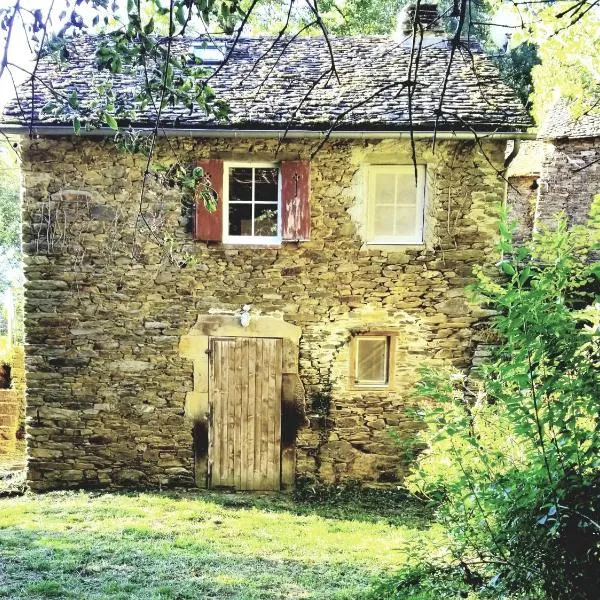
10 406
564 184
521 198
12 403
106 382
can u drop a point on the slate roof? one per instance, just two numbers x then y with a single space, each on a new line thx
269 92
560 123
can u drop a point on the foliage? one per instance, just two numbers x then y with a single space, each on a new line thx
10 217
354 17
515 462
516 67
422 582
568 35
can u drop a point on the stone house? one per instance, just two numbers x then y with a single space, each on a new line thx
281 335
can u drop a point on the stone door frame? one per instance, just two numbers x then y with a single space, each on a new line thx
195 347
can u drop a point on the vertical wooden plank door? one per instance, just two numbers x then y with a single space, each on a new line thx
244 444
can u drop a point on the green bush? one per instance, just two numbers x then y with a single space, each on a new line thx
513 458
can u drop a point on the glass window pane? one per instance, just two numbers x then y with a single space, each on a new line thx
240 219
265 219
240 185
407 189
383 221
371 360
385 188
266 182
406 217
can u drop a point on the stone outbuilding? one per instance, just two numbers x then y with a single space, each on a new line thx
523 176
281 335
557 172
570 167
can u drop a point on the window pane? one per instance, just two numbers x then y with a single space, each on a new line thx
406 221
371 360
407 190
383 224
240 185
265 219
385 188
266 181
240 219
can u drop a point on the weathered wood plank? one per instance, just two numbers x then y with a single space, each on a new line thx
215 405
251 413
270 412
229 375
237 443
277 415
260 358
244 449
264 415
224 462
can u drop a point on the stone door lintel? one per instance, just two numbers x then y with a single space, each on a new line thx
194 346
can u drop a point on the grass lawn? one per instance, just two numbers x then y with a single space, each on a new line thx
199 545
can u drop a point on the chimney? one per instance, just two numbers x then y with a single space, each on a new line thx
428 17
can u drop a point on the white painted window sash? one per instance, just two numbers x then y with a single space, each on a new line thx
418 201
250 239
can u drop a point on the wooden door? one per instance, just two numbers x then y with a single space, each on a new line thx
244 443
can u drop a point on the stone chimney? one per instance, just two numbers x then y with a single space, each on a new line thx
428 16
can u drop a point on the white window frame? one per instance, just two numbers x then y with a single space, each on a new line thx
388 354
417 238
250 239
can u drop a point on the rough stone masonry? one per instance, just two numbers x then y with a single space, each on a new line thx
114 285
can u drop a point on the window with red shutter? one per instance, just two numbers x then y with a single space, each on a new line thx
257 203
208 226
295 200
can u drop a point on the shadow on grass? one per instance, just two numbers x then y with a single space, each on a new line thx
370 506
140 563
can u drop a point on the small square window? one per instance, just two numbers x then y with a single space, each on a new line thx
371 360
252 213
395 206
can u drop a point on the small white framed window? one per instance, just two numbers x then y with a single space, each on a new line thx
371 360
395 204
251 203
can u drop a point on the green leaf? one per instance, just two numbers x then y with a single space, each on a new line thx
149 27
111 121
507 268
76 125
180 15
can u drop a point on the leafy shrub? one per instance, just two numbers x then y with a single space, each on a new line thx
514 458
421 582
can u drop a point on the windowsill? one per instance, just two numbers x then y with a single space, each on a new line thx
371 388
394 247
249 246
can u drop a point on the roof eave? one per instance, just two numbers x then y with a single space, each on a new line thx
214 132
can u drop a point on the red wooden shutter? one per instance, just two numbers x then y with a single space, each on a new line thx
208 226
295 200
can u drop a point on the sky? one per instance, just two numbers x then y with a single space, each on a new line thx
20 50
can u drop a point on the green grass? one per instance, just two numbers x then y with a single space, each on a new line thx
200 545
